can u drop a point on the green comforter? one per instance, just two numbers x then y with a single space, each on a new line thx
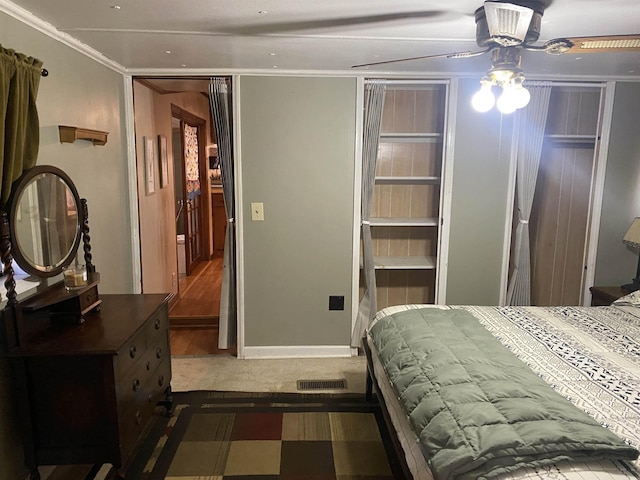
477 409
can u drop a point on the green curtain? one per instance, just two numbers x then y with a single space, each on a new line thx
20 128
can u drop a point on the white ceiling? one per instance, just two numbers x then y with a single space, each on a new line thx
203 35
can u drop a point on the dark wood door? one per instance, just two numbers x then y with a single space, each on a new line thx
194 232
194 186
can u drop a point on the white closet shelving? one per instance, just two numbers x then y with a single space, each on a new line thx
406 212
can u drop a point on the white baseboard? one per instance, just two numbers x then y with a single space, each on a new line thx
298 351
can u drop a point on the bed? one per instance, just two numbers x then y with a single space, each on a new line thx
510 392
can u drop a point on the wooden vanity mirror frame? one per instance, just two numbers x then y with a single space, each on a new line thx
17 190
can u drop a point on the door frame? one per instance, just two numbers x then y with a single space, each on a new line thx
205 209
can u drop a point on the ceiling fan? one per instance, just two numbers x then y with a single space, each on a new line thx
505 29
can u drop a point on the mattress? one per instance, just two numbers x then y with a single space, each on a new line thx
589 355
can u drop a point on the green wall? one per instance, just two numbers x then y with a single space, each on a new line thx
297 154
616 263
479 201
79 92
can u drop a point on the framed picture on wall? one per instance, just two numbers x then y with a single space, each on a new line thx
164 161
149 165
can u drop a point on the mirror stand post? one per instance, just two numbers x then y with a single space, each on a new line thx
10 316
86 238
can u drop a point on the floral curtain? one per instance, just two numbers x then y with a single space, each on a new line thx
191 161
20 129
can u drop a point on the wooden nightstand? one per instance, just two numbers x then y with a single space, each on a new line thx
605 295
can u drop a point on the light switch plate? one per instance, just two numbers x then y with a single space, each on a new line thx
257 212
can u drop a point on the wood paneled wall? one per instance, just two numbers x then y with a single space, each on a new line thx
560 213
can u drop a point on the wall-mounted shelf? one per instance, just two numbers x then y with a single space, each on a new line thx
71 134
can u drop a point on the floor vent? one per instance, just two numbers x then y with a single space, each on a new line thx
339 384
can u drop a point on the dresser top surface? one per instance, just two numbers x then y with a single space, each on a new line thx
102 333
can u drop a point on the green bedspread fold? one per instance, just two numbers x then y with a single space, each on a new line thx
477 409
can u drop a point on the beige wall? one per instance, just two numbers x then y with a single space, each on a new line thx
157 210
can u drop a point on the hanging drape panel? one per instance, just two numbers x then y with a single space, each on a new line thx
220 99
20 129
373 103
530 136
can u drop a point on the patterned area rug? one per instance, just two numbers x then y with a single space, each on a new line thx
263 436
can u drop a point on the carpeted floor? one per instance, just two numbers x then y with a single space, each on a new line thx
264 436
228 373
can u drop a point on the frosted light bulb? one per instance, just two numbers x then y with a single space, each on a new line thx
483 100
521 96
507 102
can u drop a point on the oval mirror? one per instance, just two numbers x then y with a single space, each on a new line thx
44 221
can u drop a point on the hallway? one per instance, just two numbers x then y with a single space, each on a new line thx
194 316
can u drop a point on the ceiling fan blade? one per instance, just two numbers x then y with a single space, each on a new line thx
442 55
606 43
317 24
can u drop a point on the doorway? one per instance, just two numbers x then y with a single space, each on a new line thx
190 185
167 105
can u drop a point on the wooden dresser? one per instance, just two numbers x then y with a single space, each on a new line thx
601 296
87 393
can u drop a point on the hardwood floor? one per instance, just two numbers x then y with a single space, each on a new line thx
199 300
196 341
194 316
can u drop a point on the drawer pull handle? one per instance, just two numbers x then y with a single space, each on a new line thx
157 324
158 352
148 366
161 380
136 385
132 351
138 417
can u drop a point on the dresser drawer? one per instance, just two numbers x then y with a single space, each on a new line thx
157 328
143 369
139 408
154 330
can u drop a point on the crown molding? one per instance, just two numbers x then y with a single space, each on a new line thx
46 28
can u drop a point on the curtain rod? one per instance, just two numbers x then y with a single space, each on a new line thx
44 72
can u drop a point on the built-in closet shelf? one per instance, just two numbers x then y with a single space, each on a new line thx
572 139
410 137
404 263
407 180
403 222
71 134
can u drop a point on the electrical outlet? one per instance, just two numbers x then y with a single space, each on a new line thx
336 302
173 279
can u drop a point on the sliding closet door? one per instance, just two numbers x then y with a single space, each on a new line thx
559 221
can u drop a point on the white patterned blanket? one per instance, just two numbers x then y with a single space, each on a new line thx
590 355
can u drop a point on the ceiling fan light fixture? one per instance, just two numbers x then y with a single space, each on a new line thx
483 100
508 23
